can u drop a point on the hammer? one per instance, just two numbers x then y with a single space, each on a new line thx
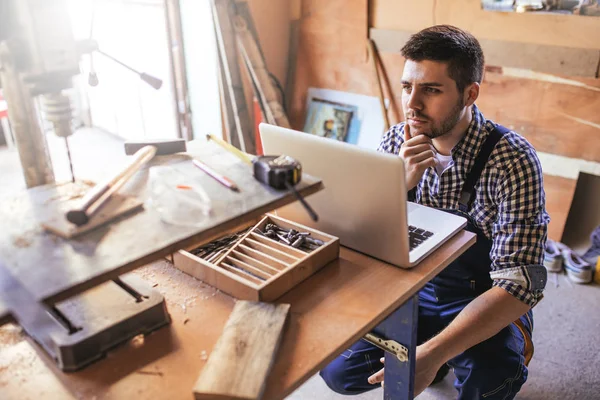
100 194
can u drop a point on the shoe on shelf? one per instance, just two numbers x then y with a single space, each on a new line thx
578 270
553 258
592 254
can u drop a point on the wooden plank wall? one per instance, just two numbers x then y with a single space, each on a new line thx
556 118
332 51
548 29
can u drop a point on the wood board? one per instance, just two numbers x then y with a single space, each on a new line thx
544 58
243 356
537 28
118 206
237 114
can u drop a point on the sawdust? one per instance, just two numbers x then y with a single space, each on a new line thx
22 242
76 191
10 334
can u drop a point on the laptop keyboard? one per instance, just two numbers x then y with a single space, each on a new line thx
416 236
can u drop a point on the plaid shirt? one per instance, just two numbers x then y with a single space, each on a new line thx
509 206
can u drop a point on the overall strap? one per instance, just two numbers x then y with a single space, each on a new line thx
466 196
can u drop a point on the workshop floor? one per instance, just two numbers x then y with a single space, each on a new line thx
567 322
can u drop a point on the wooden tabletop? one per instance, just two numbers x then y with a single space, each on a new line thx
329 311
52 268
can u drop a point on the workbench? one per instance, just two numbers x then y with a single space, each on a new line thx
329 311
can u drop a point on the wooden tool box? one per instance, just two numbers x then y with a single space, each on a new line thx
259 268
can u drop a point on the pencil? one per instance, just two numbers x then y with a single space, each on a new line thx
222 179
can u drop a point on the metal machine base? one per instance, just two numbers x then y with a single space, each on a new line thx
97 320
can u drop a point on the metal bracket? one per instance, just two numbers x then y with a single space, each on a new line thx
391 346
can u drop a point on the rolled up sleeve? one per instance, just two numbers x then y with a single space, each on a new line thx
520 231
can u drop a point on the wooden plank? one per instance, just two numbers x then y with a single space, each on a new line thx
584 214
116 207
264 86
546 29
72 266
544 58
410 15
559 195
556 115
556 118
243 356
223 12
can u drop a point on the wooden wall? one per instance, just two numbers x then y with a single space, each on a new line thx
548 29
271 18
332 51
556 118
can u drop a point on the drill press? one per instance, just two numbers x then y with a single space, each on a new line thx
39 58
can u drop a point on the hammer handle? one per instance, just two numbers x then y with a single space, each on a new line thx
98 196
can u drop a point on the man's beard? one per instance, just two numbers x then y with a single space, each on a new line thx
446 125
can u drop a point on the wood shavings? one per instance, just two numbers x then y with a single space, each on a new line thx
157 373
22 242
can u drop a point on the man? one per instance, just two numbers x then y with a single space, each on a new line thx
475 317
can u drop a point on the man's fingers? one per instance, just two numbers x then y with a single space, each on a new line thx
382 360
429 162
408 151
417 158
419 139
376 377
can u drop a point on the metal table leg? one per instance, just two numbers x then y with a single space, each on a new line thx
400 326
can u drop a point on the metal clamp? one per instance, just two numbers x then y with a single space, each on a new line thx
391 346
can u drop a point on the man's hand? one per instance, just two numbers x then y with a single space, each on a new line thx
425 370
418 154
377 376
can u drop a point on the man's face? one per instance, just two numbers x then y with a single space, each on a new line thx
430 99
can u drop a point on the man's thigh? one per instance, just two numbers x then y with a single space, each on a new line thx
495 368
348 373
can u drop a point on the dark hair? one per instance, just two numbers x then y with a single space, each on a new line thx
446 43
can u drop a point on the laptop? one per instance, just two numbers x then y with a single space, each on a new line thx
364 200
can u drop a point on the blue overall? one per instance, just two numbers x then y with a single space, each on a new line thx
493 369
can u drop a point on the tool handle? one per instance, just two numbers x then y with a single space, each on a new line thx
98 196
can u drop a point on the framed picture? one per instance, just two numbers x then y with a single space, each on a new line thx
329 119
350 117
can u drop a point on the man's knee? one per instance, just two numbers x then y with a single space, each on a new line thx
336 376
